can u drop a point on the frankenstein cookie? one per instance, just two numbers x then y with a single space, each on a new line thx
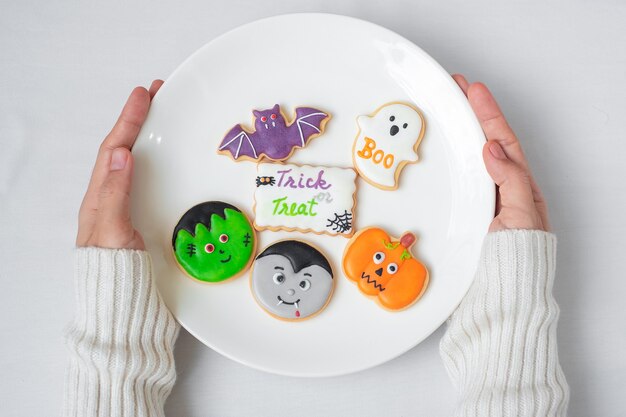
213 241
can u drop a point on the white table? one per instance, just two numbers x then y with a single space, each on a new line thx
557 69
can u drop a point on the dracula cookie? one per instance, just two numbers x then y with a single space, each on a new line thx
274 136
214 241
387 140
292 280
305 198
384 268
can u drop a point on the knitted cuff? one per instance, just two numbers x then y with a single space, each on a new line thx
122 338
500 348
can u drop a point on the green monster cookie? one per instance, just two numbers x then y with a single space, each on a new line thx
214 241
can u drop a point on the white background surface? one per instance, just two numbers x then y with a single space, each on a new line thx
558 69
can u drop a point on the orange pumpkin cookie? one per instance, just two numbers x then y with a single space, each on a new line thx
384 268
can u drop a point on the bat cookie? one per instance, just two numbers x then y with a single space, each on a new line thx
292 280
386 142
384 268
273 137
214 241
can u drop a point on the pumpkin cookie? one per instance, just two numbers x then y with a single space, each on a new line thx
384 268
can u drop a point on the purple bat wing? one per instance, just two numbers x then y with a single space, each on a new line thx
309 122
239 143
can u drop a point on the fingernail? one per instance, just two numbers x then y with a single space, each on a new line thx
496 151
119 158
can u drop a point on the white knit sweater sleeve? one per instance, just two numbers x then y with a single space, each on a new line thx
122 339
500 347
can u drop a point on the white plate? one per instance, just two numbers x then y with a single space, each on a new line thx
347 67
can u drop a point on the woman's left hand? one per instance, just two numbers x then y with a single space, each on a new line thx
104 216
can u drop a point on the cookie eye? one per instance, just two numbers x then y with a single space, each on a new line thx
392 268
223 238
405 125
278 278
379 257
392 118
263 119
209 248
305 284
273 116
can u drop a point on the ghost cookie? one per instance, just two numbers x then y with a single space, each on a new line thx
387 140
384 269
213 241
292 280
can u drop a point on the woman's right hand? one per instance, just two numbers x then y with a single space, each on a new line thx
519 201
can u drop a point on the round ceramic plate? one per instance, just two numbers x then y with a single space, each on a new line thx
347 67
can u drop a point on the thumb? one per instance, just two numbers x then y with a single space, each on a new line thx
517 206
114 198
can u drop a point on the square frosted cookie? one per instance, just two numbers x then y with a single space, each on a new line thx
305 198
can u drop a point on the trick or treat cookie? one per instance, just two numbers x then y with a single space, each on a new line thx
214 241
292 280
305 198
386 142
273 136
384 268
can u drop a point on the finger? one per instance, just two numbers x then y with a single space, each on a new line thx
498 203
540 204
114 197
154 87
86 221
493 122
517 206
113 228
505 173
129 123
123 134
462 82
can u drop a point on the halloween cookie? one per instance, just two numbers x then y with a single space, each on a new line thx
386 142
305 198
384 268
214 241
273 136
292 280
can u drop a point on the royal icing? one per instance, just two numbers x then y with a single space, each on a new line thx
384 268
291 280
386 142
214 241
273 136
305 198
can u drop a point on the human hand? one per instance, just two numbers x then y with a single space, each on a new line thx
519 202
104 216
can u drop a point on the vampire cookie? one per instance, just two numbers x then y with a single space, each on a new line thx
292 280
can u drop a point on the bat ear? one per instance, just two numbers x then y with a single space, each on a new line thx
276 108
256 113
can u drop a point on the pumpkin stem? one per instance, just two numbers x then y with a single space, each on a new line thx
407 239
